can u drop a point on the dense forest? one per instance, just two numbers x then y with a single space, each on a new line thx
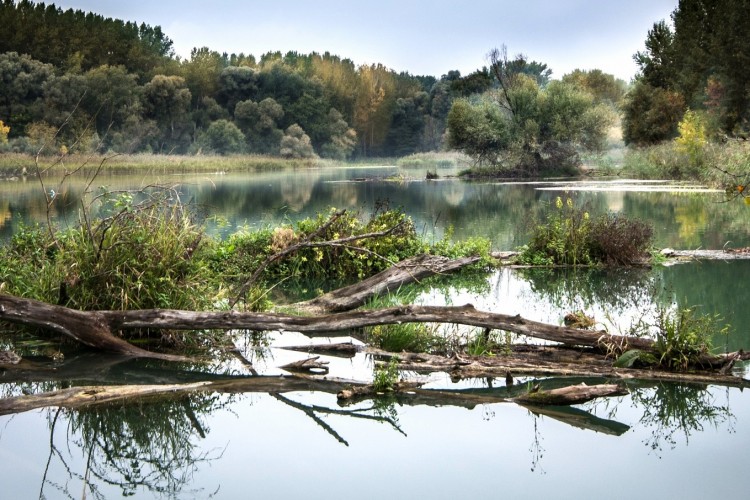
117 86
77 82
130 92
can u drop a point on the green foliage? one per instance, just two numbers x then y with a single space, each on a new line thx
410 337
142 257
385 379
478 130
683 336
223 137
634 357
721 165
650 114
567 235
296 144
602 86
527 130
561 237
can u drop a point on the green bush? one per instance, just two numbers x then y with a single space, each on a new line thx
138 258
561 237
567 235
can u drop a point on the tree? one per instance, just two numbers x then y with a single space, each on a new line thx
650 114
296 144
113 97
236 83
167 101
479 130
657 63
223 137
259 122
22 82
202 72
342 140
602 86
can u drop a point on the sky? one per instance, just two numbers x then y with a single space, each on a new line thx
422 37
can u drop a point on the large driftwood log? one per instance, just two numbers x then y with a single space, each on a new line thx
96 328
406 271
573 395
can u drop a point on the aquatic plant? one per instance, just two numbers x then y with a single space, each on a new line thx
566 235
385 379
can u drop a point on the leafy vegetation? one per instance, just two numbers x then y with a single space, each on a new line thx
525 129
385 379
566 235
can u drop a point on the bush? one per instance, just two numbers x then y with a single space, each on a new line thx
561 237
617 240
150 256
567 236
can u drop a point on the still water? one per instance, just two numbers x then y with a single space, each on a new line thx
661 440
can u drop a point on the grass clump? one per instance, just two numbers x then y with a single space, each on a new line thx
683 336
151 256
410 337
567 235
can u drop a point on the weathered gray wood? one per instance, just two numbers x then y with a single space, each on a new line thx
573 395
406 271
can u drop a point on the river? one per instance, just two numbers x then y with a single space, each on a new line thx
660 440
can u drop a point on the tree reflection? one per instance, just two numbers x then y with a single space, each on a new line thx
614 290
671 410
143 445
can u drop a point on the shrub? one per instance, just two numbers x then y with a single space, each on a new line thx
617 240
561 237
566 235
411 337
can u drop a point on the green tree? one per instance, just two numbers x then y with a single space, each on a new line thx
259 122
478 129
650 114
202 73
167 100
603 86
296 144
22 82
236 83
223 137
343 138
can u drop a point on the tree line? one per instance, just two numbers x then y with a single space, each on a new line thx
131 93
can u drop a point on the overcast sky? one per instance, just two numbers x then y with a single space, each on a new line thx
423 37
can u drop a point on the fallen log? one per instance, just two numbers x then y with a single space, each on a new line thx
342 349
402 273
548 361
95 328
78 397
573 395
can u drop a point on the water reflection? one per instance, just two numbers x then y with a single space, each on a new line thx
498 211
166 448
147 446
672 410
